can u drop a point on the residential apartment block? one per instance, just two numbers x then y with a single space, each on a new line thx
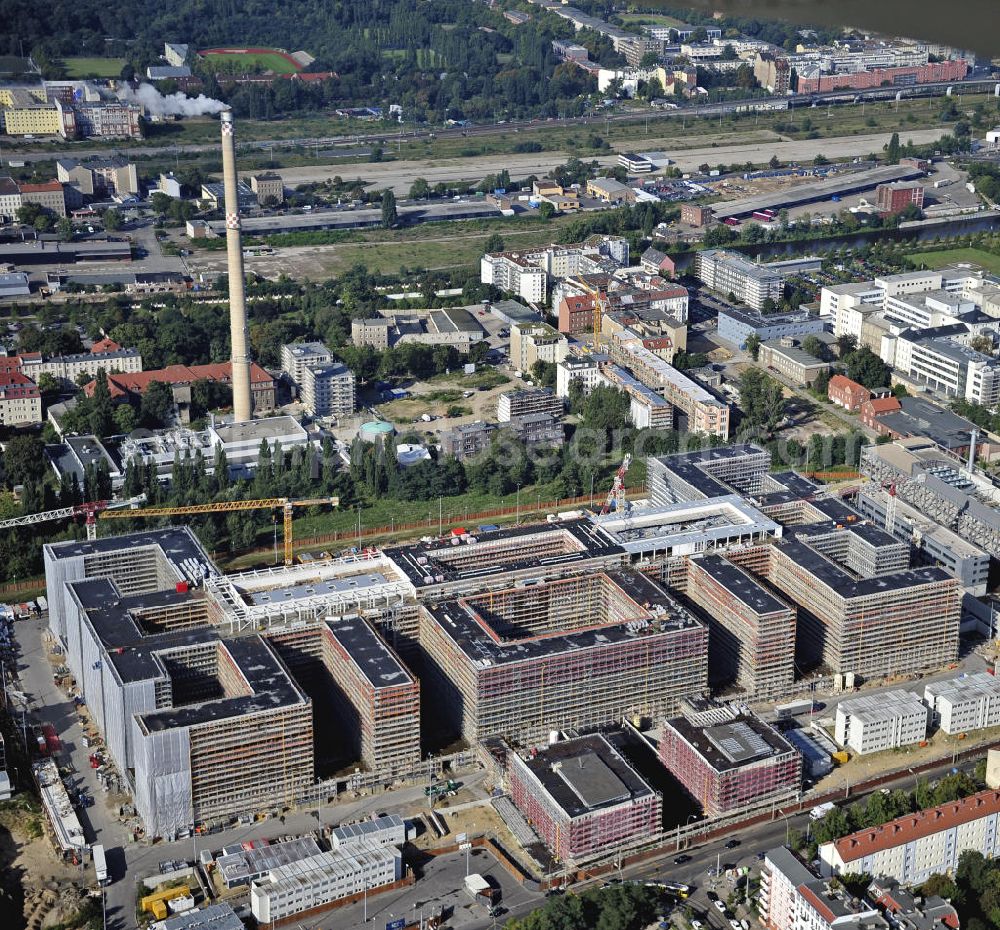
20 400
329 390
962 705
515 275
512 404
912 848
536 342
298 356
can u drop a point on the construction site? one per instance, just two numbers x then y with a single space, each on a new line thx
576 652
231 695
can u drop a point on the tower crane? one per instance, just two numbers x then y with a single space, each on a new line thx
284 504
616 496
89 510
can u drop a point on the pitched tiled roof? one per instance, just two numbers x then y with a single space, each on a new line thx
105 345
915 826
138 381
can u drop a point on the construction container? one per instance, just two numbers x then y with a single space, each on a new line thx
840 758
156 903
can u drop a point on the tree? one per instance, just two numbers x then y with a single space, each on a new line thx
126 419
65 229
389 216
24 459
846 344
420 189
892 149
761 400
814 347
495 243
544 373
101 420
752 345
546 211
156 409
112 219
160 202
865 367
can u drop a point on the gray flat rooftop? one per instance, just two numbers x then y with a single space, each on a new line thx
742 741
374 659
268 428
178 543
586 774
656 613
811 191
316 586
740 585
213 917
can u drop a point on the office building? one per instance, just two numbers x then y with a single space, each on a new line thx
309 885
268 188
791 361
572 652
736 326
896 197
965 704
874 723
328 390
582 797
730 761
911 848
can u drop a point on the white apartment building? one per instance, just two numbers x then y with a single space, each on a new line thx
71 367
329 390
961 705
945 365
298 356
514 274
585 369
914 847
874 723
750 283
300 886
534 342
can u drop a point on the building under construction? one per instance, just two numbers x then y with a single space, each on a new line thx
751 631
583 798
372 698
860 609
578 651
728 760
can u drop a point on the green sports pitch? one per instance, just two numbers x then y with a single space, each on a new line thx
267 59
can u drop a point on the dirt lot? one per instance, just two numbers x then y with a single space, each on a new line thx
435 396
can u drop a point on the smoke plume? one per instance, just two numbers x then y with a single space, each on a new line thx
156 104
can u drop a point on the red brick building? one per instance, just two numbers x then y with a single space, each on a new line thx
847 393
895 198
576 314
695 215
876 77
872 409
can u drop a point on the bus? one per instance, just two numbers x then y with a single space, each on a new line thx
100 865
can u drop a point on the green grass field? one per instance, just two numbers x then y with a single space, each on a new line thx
268 61
93 67
939 259
656 19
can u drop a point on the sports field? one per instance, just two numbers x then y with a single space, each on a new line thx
268 59
93 67
940 258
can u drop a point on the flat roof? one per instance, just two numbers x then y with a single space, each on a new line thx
178 544
740 584
586 774
656 613
741 741
369 652
267 428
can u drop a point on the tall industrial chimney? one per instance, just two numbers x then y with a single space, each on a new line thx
237 284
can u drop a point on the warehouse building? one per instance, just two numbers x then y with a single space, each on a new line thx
912 848
728 760
751 632
583 798
580 651
874 723
961 705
